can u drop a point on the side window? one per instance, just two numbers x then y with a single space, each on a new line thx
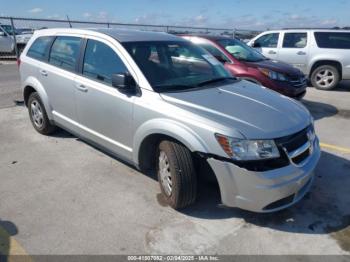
268 40
65 52
100 62
39 48
338 40
295 40
215 52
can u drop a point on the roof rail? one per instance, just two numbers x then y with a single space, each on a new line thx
316 28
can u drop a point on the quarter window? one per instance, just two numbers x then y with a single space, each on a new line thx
268 40
65 52
337 40
295 40
101 62
39 48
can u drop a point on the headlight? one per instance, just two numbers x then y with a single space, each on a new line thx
273 75
241 149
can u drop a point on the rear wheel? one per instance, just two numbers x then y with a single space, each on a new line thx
325 77
176 174
38 115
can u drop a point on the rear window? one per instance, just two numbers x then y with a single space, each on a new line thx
65 52
39 47
336 40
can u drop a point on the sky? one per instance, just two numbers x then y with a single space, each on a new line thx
240 14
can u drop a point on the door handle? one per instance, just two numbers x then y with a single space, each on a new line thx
43 72
301 53
271 52
81 87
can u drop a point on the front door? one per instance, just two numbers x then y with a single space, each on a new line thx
104 113
268 45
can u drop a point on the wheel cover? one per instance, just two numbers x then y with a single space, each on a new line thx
37 114
164 173
325 78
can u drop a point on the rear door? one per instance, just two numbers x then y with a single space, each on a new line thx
105 114
58 78
294 49
267 44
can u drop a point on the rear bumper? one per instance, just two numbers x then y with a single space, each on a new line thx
264 191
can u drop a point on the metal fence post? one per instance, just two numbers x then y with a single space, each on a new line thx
14 37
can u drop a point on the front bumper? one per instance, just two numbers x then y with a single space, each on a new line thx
267 191
296 90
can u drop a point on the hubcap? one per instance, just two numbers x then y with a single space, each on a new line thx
37 114
164 173
325 78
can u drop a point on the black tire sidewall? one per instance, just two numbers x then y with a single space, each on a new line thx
330 68
183 174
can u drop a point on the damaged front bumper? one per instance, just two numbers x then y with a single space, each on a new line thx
266 191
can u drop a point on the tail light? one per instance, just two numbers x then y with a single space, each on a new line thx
18 62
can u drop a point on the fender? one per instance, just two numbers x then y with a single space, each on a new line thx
171 128
330 57
34 83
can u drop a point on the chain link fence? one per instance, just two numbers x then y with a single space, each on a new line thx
15 32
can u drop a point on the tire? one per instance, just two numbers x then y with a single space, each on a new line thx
38 115
325 77
175 163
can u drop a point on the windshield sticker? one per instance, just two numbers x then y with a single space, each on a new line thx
211 59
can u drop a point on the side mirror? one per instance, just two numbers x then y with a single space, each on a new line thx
124 82
2 34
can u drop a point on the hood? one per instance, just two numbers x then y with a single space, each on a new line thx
277 66
252 110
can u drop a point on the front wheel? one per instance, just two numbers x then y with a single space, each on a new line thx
176 174
325 77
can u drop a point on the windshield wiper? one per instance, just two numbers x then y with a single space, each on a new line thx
215 80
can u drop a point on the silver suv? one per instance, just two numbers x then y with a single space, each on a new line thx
323 55
165 105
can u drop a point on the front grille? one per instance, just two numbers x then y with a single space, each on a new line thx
300 158
298 81
294 142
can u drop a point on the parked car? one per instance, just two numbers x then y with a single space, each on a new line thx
166 105
245 62
322 55
7 43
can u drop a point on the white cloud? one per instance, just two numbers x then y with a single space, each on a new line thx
87 15
329 22
35 10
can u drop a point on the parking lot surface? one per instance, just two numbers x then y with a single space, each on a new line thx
59 195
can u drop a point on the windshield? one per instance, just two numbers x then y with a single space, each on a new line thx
175 66
241 51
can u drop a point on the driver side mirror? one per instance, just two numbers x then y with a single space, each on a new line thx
124 82
2 34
